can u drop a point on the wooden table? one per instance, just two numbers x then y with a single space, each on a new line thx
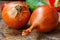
7 33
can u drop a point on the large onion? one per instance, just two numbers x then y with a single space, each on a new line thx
16 14
44 19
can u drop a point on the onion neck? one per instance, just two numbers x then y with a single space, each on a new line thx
18 8
28 31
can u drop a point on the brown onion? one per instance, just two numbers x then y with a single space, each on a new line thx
44 19
16 14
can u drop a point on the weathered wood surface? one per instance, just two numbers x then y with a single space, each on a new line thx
7 33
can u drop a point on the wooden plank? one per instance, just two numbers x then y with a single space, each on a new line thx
7 33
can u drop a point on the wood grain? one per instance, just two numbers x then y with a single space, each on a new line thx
7 33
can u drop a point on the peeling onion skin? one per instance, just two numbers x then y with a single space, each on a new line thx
14 18
43 19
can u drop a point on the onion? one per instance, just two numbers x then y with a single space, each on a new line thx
16 14
43 19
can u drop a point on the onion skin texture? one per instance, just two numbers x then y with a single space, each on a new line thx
16 19
43 19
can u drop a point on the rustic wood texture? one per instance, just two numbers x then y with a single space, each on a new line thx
7 33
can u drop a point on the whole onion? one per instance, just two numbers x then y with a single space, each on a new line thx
16 14
43 19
